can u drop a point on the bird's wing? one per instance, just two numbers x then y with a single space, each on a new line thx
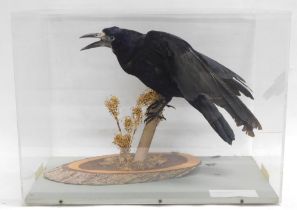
197 84
197 75
234 81
190 65
219 69
185 67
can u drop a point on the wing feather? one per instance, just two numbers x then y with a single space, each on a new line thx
196 75
192 70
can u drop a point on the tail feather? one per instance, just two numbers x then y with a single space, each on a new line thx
214 117
223 129
238 110
238 87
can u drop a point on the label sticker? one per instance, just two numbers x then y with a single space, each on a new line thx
233 193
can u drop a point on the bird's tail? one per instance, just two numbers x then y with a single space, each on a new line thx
214 117
238 110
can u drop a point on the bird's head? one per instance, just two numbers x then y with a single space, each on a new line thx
122 41
106 37
118 39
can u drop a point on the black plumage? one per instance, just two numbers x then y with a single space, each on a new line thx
171 67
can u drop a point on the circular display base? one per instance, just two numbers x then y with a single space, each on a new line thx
106 170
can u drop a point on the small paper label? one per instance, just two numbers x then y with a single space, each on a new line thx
233 193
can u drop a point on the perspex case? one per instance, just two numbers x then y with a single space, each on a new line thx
61 115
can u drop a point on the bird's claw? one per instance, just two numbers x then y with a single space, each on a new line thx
151 116
153 105
155 111
161 117
170 106
149 119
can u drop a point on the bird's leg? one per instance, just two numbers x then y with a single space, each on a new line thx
151 116
155 110
153 105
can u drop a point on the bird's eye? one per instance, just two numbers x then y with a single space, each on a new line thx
112 38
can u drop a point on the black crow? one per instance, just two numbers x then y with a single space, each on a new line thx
171 67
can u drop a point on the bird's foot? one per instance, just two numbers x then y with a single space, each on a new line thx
170 106
155 111
150 116
153 106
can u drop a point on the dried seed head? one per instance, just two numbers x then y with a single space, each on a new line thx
128 123
123 141
137 115
147 98
112 105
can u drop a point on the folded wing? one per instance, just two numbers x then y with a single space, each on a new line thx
204 82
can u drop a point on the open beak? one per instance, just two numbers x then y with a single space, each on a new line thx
104 40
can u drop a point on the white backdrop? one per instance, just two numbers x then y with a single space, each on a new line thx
9 176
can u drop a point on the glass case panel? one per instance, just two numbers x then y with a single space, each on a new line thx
62 116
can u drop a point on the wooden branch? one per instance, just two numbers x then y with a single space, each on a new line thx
146 139
149 131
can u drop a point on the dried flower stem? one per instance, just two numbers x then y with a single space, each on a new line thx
118 124
131 123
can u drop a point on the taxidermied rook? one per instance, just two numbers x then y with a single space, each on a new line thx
171 67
